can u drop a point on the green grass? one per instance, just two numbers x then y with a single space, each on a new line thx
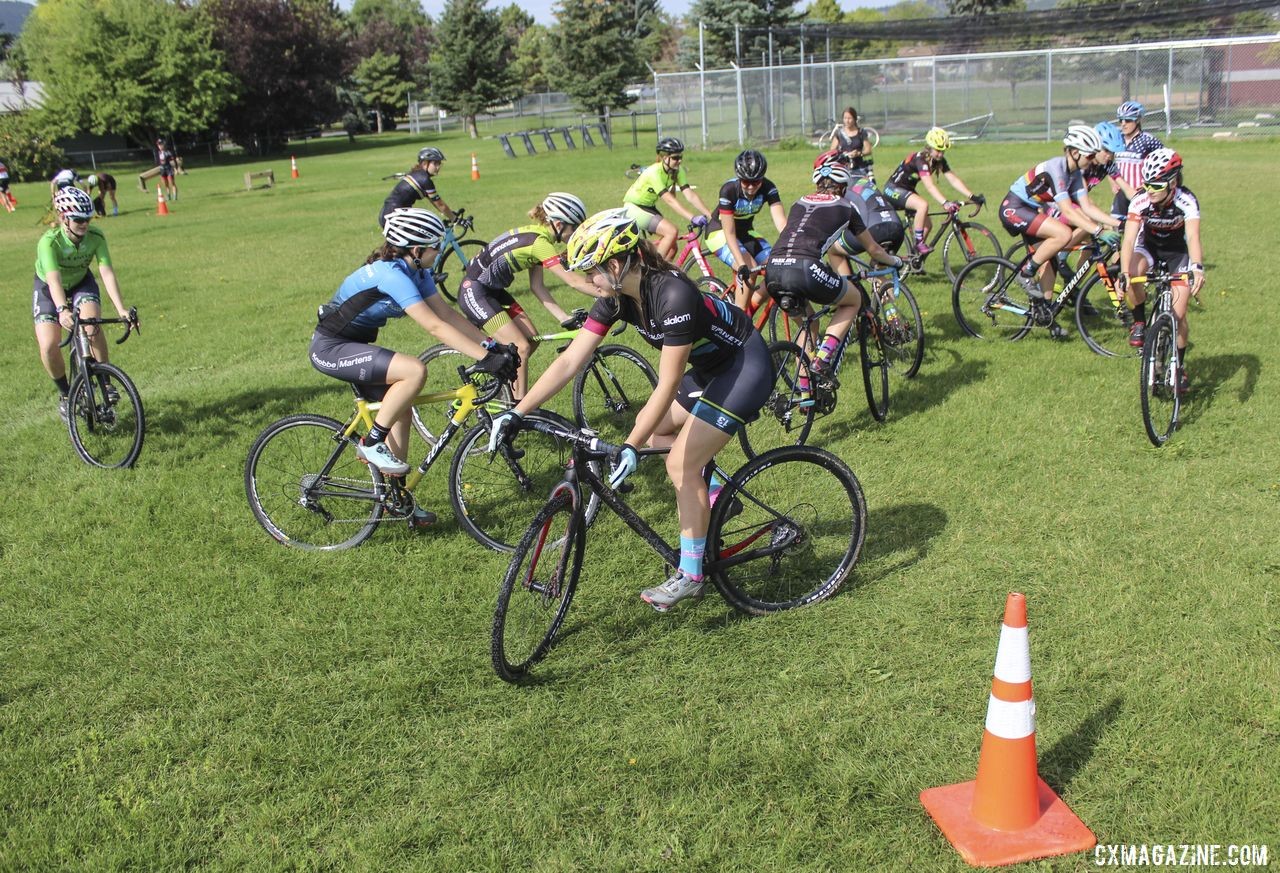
178 690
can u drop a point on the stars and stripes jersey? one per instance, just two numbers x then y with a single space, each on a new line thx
1129 161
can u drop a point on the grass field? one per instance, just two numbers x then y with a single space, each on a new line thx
176 690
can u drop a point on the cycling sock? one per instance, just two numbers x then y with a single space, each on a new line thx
714 489
1182 356
919 235
691 551
1030 268
1140 312
376 434
828 347
64 387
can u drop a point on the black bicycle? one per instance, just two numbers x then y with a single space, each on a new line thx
785 531
1160 388
960 240
104 409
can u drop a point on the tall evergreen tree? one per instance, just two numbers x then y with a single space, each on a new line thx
471 74
596 56
719 17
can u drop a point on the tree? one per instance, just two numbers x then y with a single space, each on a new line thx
380 84
288 58
984 7
719 17
394 27
471 76
27 146
148 67
535 58
597 53
405 15
824 10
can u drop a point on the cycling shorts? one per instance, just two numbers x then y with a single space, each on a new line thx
480 303
362 364
890 237
732 396
646 219
166 171
1021 218
897 196
4 186
756 246
1173 260
805 277
42 309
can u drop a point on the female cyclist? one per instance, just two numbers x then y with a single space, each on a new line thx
1137 145
920 167
849 140
662 179
483 296
1163 225
696 412
63 282
730 234
417 184
394 282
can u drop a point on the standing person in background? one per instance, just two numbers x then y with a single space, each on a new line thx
106 185
1137 145
418 184
852 144
165 158
10 203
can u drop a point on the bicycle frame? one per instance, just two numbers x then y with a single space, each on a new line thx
1097 261
693 249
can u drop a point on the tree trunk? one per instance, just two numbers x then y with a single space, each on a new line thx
377 114
470 122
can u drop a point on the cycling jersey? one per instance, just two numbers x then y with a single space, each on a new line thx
372 295
415 185
874 209
63 178
512 252
1129 161
653 183
165 159
847 142
4 178
1096 174
914 167
1048 182
56 251
1162 227
735 203
814 223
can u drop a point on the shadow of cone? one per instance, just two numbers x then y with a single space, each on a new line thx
1008 814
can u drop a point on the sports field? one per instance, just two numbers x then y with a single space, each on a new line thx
177 690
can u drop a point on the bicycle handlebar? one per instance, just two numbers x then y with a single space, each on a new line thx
130 321
485 391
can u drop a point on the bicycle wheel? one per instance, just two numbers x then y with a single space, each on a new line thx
493 495
442 362
308 489
875 364
615 385
106 420
967 240
787 416
988 303
1160 400
903 335
1102 321
537 588
447 271
786 530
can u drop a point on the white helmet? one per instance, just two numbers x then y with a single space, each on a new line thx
834 171
71 202
408 226
92 181
560 206
1083 138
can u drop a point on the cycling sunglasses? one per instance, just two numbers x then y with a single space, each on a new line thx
1155 187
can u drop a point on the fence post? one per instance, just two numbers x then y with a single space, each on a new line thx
771 127
737 85
1048 101
702 80
804 95
1168 99
933 87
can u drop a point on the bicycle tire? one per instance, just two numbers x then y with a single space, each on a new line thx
803 496
1159 381
904 335
442 362
611 390
983 289
875 364
787 416
1104 323
712 285
105 433
537 588
281 477
956 253
491 502
447 276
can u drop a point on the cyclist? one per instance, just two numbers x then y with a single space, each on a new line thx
796 272
919 168
1137 145
1163 226
483 296
10 202
849 140
877 213
106 185
417 184
62 179
730 234
166 159
64 282
662 179
1043 206
695 413
394 282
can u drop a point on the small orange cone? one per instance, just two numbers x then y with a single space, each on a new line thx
162 208
1008 814
293 160
475 168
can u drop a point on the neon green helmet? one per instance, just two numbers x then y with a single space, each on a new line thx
602 236
937 138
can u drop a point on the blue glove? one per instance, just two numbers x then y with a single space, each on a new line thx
505 426
1109 237
700 221
623 467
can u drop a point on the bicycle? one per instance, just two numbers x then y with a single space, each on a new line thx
607 394
308 488
785 531
454 244
104 410
694 255
1161 367
962 241
988 302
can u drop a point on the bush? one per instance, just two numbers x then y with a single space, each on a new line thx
27 149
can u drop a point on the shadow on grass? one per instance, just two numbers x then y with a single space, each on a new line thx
1061 763
900 537
231 415
1211 372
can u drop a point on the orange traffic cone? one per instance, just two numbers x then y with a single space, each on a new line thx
1008 814
162 208
475 168
293 159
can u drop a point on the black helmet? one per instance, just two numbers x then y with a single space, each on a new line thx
430 153
750 166
669 145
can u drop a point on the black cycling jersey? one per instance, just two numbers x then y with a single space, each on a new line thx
735 202
873 207
673 312
813 224
913 166
408 191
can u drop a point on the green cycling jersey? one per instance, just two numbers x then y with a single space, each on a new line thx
653 183
57 252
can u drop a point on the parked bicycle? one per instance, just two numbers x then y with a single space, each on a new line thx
462 250
785 531
1160 387
104 410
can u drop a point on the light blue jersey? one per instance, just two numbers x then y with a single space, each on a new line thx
377 292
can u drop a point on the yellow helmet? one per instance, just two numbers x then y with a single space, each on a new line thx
937 138
601 237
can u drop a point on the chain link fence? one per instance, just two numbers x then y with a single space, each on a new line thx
1222 86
